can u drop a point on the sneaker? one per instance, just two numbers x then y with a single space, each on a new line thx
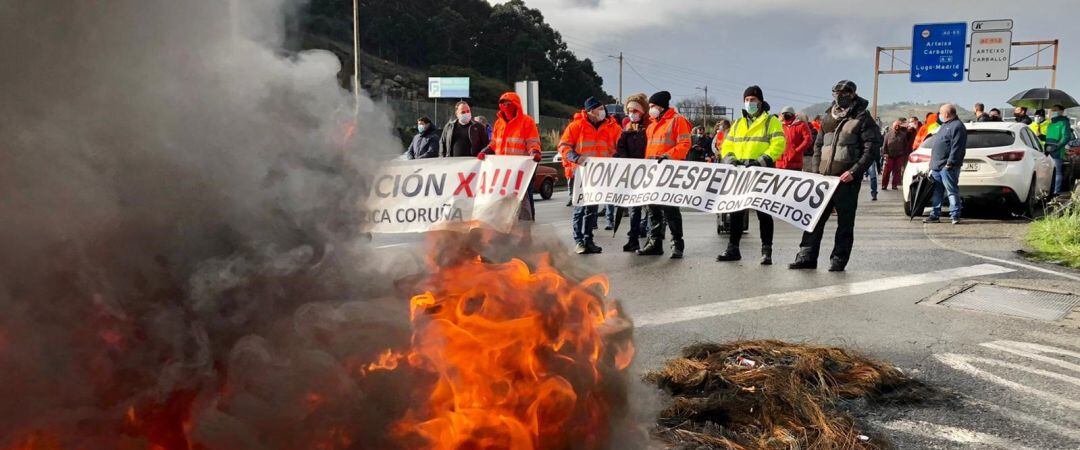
652 248
580 249
731 254
836 267
677 249
609 227
802 265
884 188
766 255
569 203
956 221
932 219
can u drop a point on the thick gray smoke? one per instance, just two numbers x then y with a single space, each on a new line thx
179 263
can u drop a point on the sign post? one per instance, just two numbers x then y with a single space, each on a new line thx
937 53
991 49
444 87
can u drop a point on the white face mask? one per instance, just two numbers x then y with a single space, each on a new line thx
1038 119
654 112
635 117
599 114
464 118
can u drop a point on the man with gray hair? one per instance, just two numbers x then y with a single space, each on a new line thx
946 160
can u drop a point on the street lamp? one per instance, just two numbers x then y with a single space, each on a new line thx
705 112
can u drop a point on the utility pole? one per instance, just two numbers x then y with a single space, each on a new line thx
620 58
705 109
356 58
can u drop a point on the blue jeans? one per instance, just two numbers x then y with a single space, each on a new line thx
872 173
583 220
948 183
1059 174
609 212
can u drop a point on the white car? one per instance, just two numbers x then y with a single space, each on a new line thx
1004 164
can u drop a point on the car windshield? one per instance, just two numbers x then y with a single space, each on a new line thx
982 139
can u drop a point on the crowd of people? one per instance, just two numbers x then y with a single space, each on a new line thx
845 142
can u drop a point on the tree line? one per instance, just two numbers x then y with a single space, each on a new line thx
509 42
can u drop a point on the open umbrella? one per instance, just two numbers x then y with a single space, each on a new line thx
924 189
1043 98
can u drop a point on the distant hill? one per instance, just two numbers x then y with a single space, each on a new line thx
890 112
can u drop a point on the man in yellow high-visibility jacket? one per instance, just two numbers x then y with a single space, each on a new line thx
1039 125
756 139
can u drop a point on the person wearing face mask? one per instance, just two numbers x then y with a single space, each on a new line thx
426 142
1058 135
995 115
462 136
699 147
756 139
591 134
668 138
1020 115
631 144
799 140
1039 125
849 143
515 134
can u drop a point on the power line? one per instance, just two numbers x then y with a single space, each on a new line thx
646 80
697 73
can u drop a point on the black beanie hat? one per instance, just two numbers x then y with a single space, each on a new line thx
661 99
754 91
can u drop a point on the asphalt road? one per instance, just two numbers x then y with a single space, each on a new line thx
1018 379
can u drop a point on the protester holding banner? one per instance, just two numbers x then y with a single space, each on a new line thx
426 142
669 138
756 139
515 134
463 136
848 145
631 144
591 134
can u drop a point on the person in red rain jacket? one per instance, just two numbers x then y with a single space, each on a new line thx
515 133
799 139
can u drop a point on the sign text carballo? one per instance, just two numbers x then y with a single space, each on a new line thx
798 198
426 194
937 52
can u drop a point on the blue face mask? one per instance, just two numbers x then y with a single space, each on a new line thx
1055 114
421 128
751 107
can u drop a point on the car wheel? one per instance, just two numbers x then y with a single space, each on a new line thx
547 188
1032 207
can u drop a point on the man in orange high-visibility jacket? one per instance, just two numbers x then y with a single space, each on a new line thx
592 133
669 138
515 134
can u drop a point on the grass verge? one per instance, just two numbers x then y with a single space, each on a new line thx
1056 237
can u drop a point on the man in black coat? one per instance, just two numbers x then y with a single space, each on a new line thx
426 142
463 136
849 143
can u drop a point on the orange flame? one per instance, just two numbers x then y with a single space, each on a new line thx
524 359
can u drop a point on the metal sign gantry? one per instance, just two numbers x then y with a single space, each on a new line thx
893 59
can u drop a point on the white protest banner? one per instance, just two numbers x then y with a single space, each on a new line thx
444 193
798 198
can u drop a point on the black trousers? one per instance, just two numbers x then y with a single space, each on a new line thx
738 223
660 215
846 202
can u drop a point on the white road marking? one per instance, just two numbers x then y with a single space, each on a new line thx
1017 416
951 434
964 364
999 260
402 244
1036 352
813 295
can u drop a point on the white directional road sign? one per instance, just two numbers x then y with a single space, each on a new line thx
992 25
990 53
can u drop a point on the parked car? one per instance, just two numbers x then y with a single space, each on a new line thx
1071 166
1005 164
544 180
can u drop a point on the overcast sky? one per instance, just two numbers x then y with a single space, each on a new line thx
797 49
